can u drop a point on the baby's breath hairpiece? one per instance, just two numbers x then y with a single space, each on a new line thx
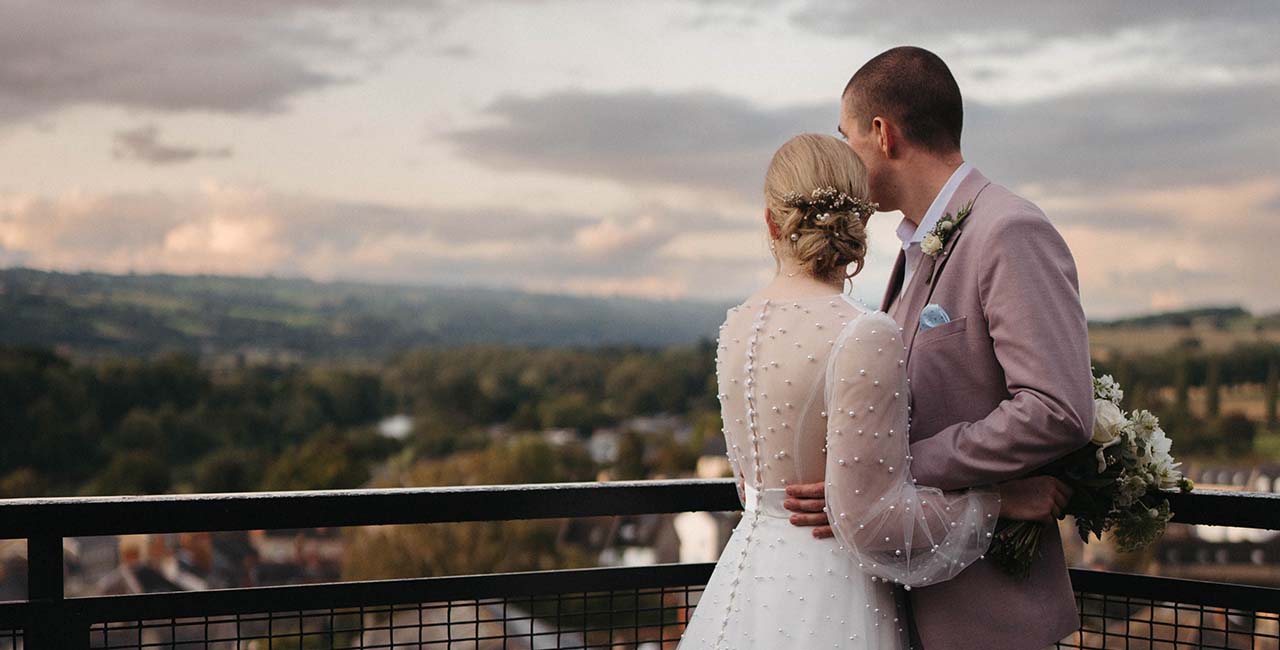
823 201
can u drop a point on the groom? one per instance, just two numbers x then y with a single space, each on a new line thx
999 368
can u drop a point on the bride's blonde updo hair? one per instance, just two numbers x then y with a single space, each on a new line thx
823 231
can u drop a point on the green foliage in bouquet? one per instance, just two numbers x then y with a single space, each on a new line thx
1117 480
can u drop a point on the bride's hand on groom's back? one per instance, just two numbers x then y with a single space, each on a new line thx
806 502
1036 498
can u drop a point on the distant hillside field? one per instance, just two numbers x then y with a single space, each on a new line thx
1214 329
297 319
94 313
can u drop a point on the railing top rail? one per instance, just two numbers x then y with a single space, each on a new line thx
1224 508
111 515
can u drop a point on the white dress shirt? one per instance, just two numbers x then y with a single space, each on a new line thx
911 234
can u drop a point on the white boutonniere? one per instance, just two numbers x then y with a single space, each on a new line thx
936 239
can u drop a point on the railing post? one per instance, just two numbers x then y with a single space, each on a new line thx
53 626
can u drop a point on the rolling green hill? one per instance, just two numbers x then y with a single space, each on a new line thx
94 313
89 314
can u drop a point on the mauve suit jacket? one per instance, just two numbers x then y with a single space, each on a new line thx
999 391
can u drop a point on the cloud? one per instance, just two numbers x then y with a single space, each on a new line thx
238 230
458 51
147 55
1011 51
1154 188
610 236
1122 137
227 56
1148 136
1013 25
1133 138
143 144
1214 245
700 140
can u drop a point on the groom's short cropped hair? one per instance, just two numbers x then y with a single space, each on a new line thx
913 87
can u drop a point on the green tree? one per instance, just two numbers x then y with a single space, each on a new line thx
228 470
188 437
475 547
1272 392
1123 375
1213 388
133 472
1233 435
673 458
347 397
140 429
707 425
571 410
630 464
1182 386
325 462
22 482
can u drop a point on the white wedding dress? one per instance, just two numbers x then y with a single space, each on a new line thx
815 389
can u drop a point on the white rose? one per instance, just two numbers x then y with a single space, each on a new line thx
931 244
1108 419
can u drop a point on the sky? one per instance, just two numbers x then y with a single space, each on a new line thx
615 148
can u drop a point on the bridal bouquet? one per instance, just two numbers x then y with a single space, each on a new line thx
1117 480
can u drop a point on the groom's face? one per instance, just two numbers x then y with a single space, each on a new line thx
866 146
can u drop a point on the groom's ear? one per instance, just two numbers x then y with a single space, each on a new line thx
885 135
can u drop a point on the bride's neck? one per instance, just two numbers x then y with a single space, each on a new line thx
791 276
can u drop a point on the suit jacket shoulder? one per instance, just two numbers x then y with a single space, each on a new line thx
998 209
1007 229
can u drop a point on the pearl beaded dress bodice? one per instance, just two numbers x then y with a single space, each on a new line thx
815 389
770 363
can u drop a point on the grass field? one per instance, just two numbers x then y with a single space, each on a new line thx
1106 342
1244 399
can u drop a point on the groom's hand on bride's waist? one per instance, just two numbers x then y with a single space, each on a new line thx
806 502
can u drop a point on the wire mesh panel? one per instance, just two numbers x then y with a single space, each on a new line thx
1124 623
10 638
13 618
641 619
630 619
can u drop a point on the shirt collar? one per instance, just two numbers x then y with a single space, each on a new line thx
909 232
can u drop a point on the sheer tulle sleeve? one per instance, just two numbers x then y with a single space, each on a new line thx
739 480
910 534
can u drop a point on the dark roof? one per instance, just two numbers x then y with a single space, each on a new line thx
714 445
153 581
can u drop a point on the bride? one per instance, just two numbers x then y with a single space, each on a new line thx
813 388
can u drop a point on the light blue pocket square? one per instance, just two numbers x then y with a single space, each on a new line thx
932 316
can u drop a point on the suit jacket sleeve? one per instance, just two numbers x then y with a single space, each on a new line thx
1031 301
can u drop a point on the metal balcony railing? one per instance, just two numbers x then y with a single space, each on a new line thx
641 608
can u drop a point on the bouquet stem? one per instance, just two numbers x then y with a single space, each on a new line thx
1014 546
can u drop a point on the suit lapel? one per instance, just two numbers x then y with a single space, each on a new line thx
895 285
925 279
913 300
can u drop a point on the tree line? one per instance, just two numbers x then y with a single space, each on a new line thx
168 423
